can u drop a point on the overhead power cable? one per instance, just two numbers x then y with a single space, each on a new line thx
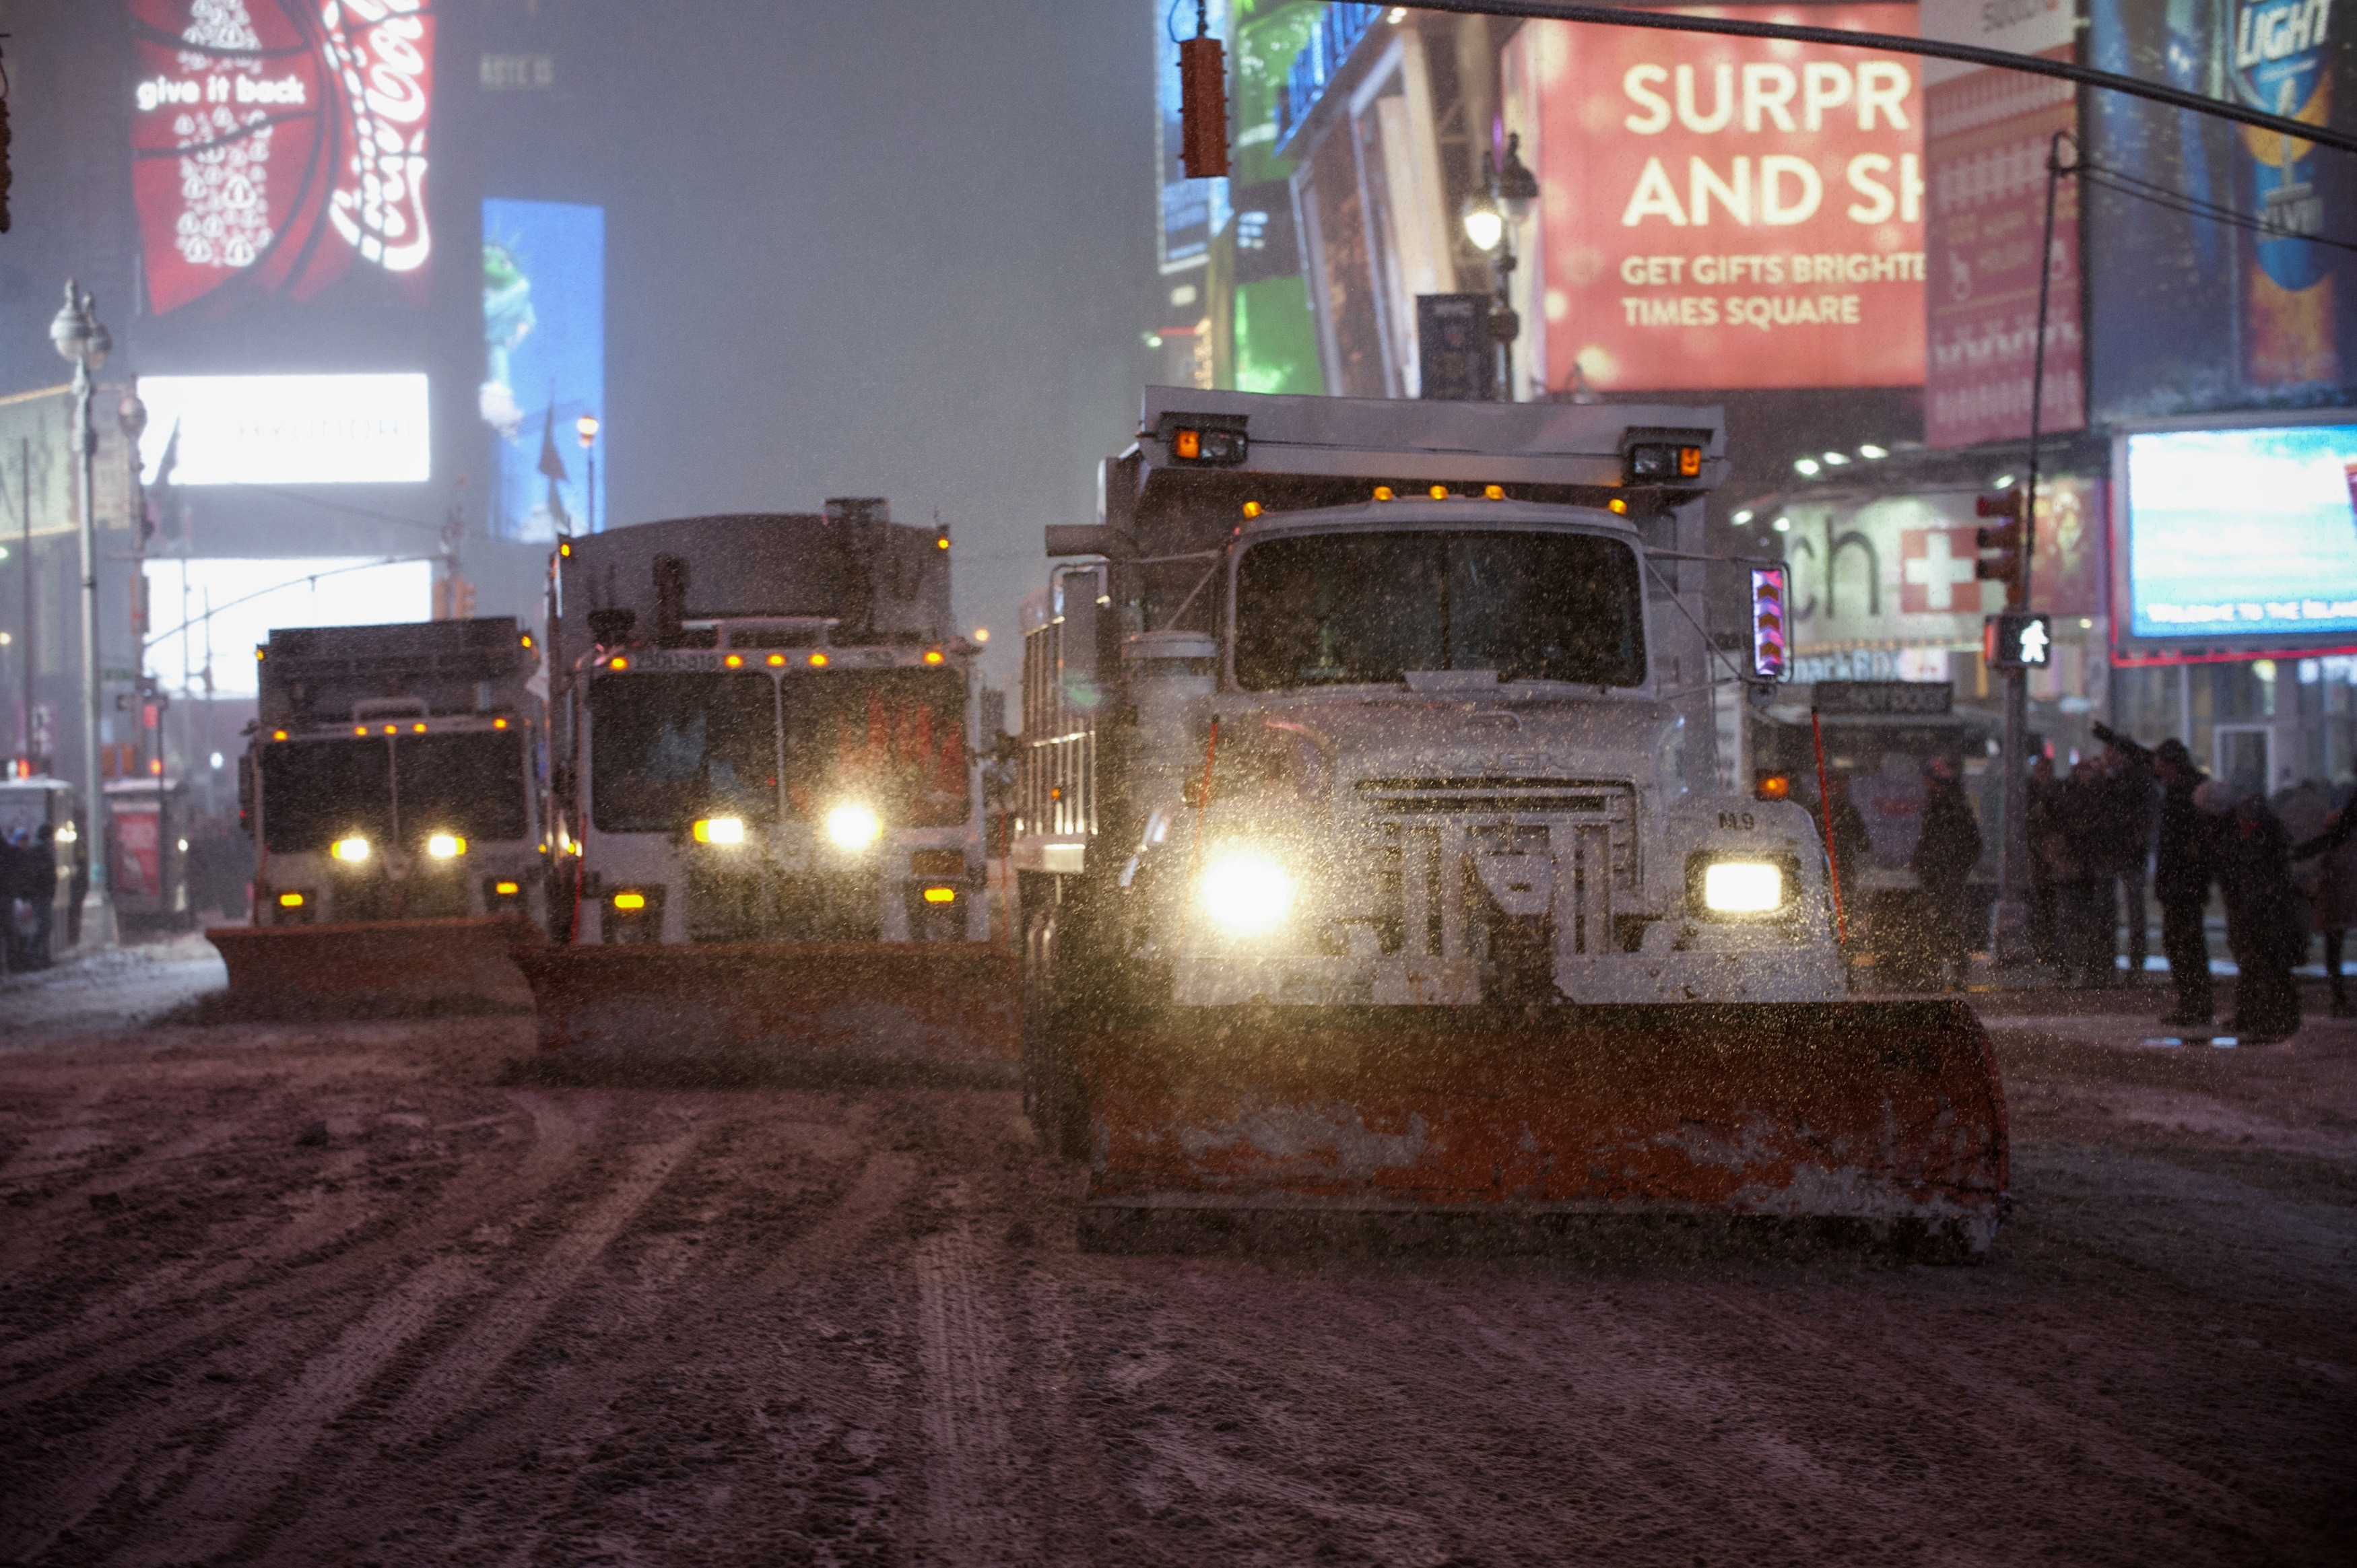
2191 205
1898 43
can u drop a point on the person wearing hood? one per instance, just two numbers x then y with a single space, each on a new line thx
2264 926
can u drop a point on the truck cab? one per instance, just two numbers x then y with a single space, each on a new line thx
390 774
1392 710
769 734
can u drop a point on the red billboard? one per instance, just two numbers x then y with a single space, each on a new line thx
1720 213
1988 135
277 142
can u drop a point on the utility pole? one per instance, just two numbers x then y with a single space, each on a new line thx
24 518
2009 920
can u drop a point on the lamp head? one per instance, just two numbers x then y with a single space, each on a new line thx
587 428
1515 184
76 329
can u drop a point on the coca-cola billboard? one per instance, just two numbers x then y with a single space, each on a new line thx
276 144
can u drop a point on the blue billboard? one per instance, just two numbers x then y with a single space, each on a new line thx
2235 536
544 364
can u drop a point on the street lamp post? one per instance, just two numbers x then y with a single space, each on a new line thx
1489 214
133 416
83 340
587 428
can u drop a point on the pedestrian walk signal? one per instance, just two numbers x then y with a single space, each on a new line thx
2001 547
2017 641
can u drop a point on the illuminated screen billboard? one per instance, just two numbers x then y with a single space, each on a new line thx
543 362
2240 535
2207 225
279 146
1722 214
286 430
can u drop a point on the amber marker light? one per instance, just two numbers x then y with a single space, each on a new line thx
278 735
818 661
391 729
565 550
417 729
1251 510
498 724
1382 492
507 889
1493 492
776 661
1186 443
932 656
941 895
290 900
1439 492
735 662
1618 505
360 729
630 900
619 664
527 639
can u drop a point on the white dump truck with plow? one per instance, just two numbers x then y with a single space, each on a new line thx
389 783
768 804
1366 872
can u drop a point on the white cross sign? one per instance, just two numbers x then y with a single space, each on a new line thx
1940 572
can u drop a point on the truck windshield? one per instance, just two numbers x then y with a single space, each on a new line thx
469 783
893 740
1359 608
317 791
667 749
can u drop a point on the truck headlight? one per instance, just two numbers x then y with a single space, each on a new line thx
352 851
1246 893
1742 887
720 829
853 826
445 846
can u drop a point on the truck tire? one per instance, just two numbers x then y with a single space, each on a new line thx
1053 1096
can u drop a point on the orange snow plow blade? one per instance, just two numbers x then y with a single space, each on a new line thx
458 964
798 1010
1880 1121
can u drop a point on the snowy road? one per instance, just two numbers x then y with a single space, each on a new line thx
352 1294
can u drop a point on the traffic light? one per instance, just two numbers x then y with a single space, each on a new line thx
2001 547
1770 650
1203 104
2017 641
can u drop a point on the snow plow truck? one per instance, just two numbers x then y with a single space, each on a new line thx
389 784
1365 883
768 806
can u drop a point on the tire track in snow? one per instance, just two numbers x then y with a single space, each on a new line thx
503 1327
972 1472
556 1138
205 1519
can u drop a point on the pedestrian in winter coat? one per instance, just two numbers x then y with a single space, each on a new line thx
2082 885
1945 854
2334 895
2183 868
2265 928
2124 849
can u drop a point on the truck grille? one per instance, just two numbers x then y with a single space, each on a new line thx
1503 869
